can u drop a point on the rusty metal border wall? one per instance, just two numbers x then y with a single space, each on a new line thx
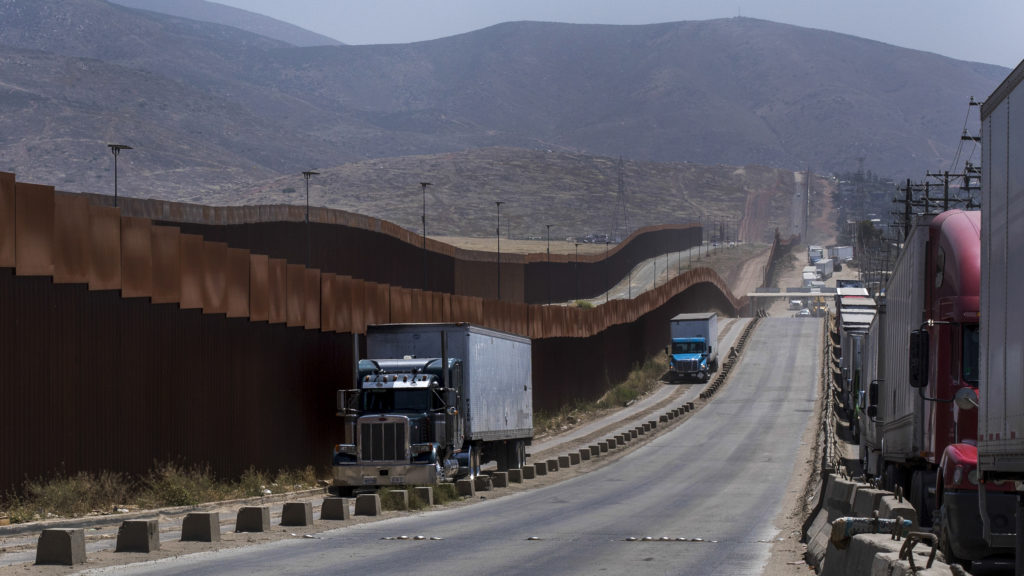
169 345
397 259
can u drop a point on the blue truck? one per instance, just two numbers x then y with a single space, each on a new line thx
693 352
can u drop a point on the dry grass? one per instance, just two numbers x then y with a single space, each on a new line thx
167 484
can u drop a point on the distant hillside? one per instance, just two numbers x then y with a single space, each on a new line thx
215 13
214 112
577 194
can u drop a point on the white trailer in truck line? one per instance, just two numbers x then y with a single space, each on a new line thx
1001 388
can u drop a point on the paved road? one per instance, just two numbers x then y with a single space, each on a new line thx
720 476
729 332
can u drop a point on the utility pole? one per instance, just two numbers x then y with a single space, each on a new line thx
116 149
307 174
424 185
549 263
497 233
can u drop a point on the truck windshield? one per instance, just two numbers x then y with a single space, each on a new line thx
970 353
400 400
687 347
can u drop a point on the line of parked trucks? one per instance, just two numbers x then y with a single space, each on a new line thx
935 373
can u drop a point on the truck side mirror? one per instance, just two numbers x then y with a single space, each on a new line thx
919 358
451 398
872 411
710 349
666 351
873 393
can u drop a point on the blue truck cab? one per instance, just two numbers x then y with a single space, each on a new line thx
692 352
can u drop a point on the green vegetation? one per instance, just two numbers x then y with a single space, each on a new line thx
167 484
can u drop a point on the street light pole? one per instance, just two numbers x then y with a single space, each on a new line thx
549 263
307 174
498 203
577 268
607 288
424 186
116 149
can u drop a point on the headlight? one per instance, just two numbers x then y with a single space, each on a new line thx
972 476
344 454
958 475
423 453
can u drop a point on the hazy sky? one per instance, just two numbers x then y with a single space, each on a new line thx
979 30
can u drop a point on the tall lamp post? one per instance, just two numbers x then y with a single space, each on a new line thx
608 288
424 186
549 263
498 203
307 174
577 267
116 149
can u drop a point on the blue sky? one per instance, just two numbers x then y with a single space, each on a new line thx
981 30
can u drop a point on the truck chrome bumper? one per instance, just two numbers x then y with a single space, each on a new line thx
384 475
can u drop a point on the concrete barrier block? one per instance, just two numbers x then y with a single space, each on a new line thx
584 454
817 540
859 556
866 500
396 500
499 479
530 471
253 519
633 433
890 507
653 423
612 443
541 468
552 464
839 494
563 461
663 418
647 427
63 546
368 505
138 536
574 458
425 494
595 450
297 514
201 527
483 484
690 405
515 476
335 509
603 446
889 564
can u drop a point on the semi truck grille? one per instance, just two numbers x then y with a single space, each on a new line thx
688 365
383 441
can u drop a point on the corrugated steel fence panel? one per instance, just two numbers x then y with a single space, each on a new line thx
166 244
7 220
71 254
33 244
104 248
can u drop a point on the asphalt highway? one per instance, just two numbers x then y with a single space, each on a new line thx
705 492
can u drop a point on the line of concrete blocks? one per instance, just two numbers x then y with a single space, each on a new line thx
863 553
66 546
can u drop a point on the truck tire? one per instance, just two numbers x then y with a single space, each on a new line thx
919 497
942 532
